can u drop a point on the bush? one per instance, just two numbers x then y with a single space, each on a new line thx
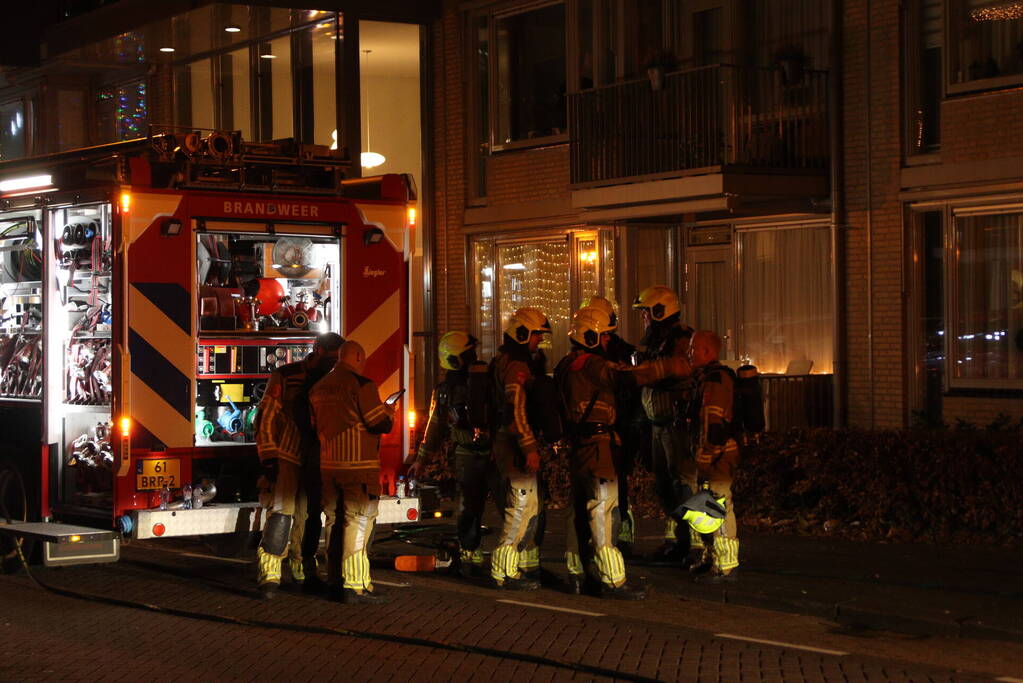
935 486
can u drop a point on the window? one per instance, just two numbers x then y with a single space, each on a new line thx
12 131
554 273
786 298
278 83
121 112
985 44
923 31
986 347
529 68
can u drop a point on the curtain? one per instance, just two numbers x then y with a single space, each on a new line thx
537 274
988 337
786 311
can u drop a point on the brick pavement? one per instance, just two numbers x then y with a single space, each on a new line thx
47 636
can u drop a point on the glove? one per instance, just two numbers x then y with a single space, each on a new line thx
270 469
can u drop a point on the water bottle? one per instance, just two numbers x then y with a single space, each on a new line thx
399 490
413 487
164 497
186 496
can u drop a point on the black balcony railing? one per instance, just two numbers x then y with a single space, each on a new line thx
766 118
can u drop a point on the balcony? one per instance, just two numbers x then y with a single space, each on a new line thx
712 120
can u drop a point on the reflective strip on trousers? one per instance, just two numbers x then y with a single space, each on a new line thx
504 563
726 553
529 559
471 556
269 567
355 570
575 564
611 565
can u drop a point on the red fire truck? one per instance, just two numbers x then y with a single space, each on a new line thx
148 288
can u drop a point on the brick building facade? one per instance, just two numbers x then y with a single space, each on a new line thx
901 204
833 186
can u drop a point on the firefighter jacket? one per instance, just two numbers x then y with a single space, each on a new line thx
349 419
660 401
449 418
711 413
283 416
588 384
512 382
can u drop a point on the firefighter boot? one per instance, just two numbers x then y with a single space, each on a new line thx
353 596
623 592
470 563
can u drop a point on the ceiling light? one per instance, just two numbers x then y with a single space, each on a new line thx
233 29
166 49
514 266
372 159
268 56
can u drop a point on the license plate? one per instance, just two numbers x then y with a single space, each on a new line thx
152 475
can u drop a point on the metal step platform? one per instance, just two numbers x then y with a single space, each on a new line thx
66 544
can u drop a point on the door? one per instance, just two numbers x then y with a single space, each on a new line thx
710 294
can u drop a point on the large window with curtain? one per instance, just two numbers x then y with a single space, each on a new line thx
785 311
555 273
985 39
986 344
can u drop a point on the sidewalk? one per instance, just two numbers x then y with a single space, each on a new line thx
960 591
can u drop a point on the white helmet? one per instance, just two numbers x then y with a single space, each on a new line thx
587 326
524 322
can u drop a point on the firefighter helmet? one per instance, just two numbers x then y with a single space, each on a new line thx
705 512
451 347
602 304
587 326
660 300
524 322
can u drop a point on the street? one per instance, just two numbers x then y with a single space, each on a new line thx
438 627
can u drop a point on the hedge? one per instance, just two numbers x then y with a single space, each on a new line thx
961 485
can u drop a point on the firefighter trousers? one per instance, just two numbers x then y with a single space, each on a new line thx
355 500
284 495
592 517
717 471
477 474
520 509
674 476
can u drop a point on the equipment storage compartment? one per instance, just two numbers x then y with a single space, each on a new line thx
79 323
262 300
21 301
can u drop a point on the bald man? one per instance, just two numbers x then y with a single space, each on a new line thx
717 453
349 420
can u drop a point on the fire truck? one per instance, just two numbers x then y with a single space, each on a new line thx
148 289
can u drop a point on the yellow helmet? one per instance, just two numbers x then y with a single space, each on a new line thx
705 512
587 326
661 301
451 347
524 322
602 304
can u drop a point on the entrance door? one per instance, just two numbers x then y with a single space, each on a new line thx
710 294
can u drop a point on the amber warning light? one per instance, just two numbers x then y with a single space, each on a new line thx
125 202
412 216
125 427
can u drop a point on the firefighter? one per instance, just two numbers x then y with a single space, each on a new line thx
287 447
588 383
664 405
717 453
515 447
629 425
460 409
349 420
